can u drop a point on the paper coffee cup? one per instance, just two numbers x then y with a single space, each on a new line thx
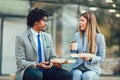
74 45
12 76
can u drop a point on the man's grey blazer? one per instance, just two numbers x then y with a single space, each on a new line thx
26 52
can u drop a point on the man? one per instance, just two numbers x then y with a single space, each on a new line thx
34 49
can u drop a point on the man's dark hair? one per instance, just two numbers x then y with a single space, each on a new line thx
36 15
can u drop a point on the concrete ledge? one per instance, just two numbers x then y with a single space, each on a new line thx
101 78
110 78
4 77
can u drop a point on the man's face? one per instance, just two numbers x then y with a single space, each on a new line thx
40 25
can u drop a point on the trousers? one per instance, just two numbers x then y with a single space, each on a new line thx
50 74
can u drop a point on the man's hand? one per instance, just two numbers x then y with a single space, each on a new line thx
57 65
44 65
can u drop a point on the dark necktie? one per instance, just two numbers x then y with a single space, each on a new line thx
39 49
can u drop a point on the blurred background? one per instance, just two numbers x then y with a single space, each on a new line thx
62 24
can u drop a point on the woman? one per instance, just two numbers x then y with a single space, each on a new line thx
90 41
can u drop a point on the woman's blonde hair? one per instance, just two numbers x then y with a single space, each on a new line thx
91 30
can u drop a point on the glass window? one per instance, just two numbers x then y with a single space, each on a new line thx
12 26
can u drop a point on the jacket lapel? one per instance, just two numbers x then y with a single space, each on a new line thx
31 40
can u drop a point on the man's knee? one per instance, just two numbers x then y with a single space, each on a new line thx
33 74
68 75
38 76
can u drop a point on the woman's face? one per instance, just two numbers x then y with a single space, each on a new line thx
82 23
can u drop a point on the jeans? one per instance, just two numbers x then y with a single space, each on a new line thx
85 75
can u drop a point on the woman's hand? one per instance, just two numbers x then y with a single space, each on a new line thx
86 58
71 46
